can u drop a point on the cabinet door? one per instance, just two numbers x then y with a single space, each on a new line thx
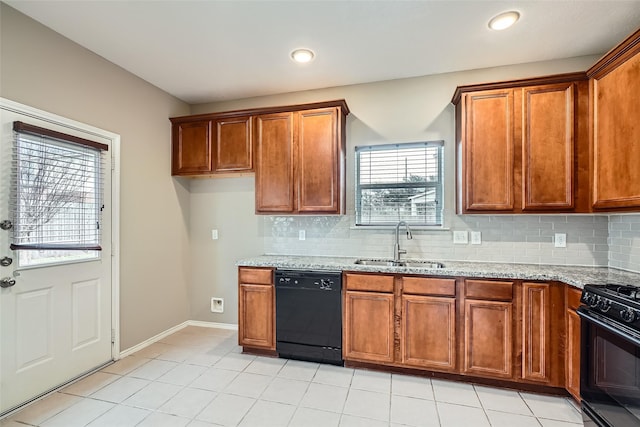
368 326
488 152
191 148
616 152
548 147
274 163
319 159
256 310
233 145
429 332
573 346
488 338
536 323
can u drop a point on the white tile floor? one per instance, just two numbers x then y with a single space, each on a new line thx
197 377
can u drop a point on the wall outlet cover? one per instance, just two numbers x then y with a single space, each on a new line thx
214 234
302 235
461 237
476 237
560 240
217 305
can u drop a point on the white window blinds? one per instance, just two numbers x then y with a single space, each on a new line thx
57 191
399 182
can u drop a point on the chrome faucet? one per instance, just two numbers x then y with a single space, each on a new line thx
396 248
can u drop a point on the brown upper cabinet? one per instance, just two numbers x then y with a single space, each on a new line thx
615 136
300 160
209 145
296 151
522 145
191 147
232 145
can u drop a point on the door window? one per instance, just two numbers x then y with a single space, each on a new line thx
57 197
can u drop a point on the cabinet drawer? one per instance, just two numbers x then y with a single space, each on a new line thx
573 297
429 286
489 290
260 276
369 282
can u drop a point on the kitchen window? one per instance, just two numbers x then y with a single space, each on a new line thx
399 182
56 196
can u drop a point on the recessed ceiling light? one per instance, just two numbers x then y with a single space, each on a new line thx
504 20
302 55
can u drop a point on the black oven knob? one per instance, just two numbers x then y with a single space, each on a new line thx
604 304
628 315
590 299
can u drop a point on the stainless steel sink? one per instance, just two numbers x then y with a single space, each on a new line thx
392 263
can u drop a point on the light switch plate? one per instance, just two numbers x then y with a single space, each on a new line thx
214 234
560 240
476 237
461 237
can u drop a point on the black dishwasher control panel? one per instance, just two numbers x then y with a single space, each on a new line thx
309 279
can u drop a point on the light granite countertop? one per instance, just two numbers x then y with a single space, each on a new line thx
575 276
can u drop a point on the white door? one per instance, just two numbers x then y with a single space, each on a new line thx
56 320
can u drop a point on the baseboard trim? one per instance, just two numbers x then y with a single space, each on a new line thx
229 326
158 337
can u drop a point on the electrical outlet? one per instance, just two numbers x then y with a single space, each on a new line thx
560 240
302 235
217 305
214 234
476 237
461 237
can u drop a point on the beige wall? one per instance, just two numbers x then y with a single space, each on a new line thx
413 109
44 70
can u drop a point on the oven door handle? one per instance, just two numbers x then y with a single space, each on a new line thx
617 331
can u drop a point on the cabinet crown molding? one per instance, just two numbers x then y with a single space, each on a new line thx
510 84
264 110
616 56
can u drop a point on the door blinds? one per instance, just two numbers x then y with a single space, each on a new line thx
57 190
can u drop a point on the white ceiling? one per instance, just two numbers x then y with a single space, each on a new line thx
206 51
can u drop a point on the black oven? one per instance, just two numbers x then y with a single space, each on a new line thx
610 360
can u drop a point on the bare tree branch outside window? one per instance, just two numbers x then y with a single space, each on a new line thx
58 200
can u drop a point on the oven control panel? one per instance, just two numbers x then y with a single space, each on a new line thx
612 308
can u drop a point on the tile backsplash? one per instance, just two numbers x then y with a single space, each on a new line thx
505 238
624 242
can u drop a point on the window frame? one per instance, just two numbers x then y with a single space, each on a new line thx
438 184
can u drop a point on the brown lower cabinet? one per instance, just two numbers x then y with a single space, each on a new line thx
488 338
428 323
369 326
256 308
368 321
400 320
488 328
506 330
572 360
543 329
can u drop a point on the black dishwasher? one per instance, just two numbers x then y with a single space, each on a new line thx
309 315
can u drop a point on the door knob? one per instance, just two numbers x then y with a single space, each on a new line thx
7 282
